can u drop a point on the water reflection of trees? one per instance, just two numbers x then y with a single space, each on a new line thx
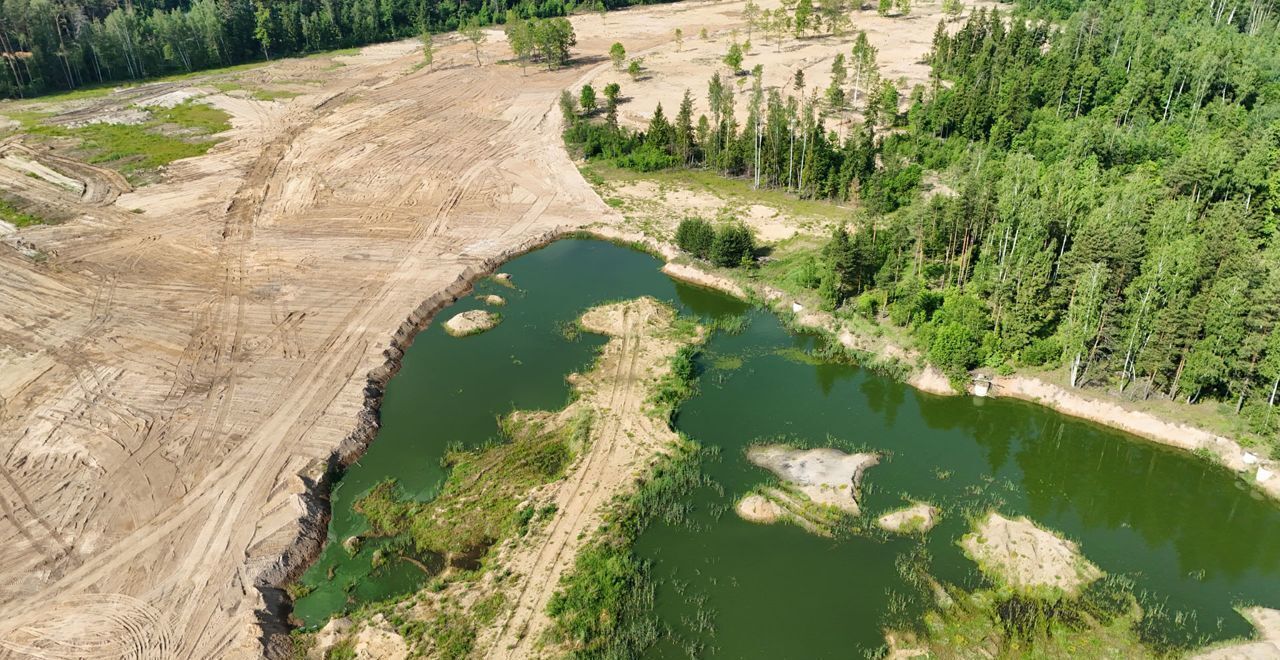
1109 481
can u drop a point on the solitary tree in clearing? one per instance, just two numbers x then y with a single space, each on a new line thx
428 49
611 93
635 68
587 99
679 39
618 54
472 31
733 58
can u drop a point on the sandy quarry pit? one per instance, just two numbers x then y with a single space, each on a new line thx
1019 553
181 360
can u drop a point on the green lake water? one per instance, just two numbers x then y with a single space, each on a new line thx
1193 538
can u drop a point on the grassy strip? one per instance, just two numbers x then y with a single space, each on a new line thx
1104 622
134 149
604 606
10 214
479 504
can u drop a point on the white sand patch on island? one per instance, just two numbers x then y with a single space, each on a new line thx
917 518
1026 557
471 323
826 476
491 299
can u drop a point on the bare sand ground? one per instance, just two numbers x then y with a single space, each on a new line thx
1024 556
173 381
902 42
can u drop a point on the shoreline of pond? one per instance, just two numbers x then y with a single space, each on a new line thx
1073 403
318 479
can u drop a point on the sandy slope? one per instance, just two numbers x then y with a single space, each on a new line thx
166 375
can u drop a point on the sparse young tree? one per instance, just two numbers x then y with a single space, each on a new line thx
884 7
835 91
519 37
804 14
587 99
611 93
952 8
904 7
733 58
476 35
679 39
428 50
262 27
750 12
636 68
618 54
798 81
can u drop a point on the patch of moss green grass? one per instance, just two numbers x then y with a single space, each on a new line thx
479 502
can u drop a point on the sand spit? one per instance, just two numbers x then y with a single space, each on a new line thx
695 275
1266 623
625 440
472 322
915 519
1019 553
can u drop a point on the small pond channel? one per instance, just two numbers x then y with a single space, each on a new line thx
1193 538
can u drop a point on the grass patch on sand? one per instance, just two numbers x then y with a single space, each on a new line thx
12 215
479 503
170 134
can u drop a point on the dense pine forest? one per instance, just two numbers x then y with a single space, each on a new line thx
1091 185
51 45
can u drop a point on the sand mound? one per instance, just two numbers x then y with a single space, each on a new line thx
759 509
496 301
618 319
920 517
1027 557
471 323
826 476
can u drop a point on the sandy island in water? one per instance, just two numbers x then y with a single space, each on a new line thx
471 323
1027 557
819 487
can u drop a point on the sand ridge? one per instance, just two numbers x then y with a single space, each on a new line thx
1026 557
626 437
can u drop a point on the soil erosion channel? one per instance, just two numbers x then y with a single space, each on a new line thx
1195 541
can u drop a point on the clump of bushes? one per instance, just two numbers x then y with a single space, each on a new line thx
729 246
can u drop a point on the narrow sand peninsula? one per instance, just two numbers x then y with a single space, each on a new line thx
826 476
624 441
471 323
1026 557
1267 624
917 518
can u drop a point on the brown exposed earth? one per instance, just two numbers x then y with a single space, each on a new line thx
174 380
